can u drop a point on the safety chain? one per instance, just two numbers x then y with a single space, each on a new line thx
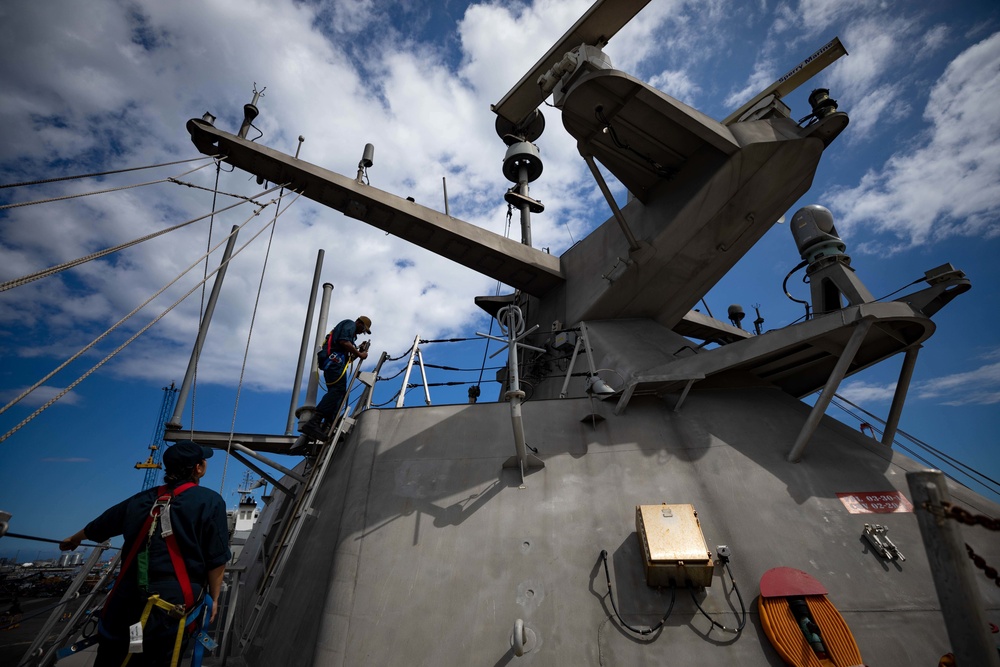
978 561
962 515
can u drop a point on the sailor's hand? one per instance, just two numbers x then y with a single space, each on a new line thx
362 354
70 543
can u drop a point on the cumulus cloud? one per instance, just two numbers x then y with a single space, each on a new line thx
960 154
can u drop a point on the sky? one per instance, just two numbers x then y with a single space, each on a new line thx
913 182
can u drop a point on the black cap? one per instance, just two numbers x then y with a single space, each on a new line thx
185 454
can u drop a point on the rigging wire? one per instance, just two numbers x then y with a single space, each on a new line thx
23 280
253 318
4 207
201 306
959 465
126 343
121 321
103 173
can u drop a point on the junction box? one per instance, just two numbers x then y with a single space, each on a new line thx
673 547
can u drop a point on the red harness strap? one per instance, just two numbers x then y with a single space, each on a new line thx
180 569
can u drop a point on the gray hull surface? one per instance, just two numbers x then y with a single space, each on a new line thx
424 551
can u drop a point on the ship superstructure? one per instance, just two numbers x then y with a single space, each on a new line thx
624 509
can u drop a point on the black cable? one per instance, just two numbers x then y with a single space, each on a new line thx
918 280
784 287
647 631
742 621
463 370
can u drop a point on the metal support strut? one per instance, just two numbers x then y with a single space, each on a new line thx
836 377
899 398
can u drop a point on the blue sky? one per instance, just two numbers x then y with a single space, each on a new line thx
914 182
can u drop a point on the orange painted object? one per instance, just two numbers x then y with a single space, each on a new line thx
782 628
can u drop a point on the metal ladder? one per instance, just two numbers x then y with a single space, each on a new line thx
292 524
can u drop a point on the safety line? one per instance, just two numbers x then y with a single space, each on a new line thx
119 323
253 318
96 192
104 173
18 282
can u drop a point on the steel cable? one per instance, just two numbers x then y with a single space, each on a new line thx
115 326
18 282
103 173
97 192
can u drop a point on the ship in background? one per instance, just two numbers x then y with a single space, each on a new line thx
646 465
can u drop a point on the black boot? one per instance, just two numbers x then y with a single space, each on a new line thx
314 428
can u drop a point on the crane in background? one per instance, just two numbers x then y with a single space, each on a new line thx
156 444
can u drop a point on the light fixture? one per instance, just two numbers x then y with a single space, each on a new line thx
598 387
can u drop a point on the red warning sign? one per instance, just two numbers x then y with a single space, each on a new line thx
875 502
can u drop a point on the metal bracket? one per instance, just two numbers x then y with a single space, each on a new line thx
876 536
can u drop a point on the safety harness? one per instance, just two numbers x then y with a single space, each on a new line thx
186 613
159 514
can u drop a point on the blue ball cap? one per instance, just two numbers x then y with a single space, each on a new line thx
185 454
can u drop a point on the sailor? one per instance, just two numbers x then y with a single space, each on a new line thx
334 357
177 567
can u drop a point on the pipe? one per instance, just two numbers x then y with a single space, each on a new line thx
175 421
406 375
304 347
522 182
823 402
306 411
366 397
266 461
572 363
250 464
633 244
423 376
899 397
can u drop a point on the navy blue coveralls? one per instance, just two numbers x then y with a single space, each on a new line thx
334 374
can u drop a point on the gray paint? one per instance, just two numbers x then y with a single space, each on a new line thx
425 551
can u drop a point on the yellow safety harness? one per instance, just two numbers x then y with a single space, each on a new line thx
177 611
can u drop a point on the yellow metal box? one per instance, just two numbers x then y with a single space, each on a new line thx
673 546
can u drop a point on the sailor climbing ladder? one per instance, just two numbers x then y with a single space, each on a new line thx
301 507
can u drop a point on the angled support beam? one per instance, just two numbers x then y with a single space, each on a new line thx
250 464
899 398
836 377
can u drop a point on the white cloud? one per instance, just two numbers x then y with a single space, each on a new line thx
40 396
980 386
960 156
864 393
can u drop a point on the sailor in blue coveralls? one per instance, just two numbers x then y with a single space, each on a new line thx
334 356
198 519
